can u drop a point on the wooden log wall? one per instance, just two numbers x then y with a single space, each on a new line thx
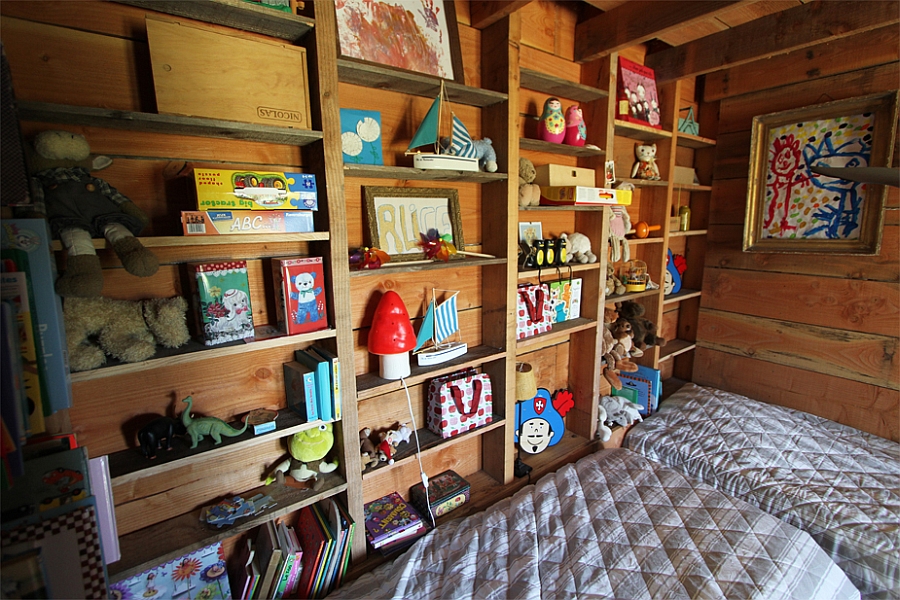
815 332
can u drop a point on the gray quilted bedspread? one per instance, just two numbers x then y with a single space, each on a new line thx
840 485
613 525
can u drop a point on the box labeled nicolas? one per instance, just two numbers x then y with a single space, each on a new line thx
255 190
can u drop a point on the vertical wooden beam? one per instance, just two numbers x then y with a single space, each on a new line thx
329 167
500 72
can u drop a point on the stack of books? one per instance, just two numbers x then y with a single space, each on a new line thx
313 384
392 524
307 562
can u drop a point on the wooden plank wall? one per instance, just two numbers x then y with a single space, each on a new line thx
815 332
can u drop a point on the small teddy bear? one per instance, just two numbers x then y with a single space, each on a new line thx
529 192
79 207
644 329
614 285
367 453
645 166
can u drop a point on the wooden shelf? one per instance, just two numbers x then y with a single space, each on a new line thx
557 86
131 465
576 208
563 272
398 267
687 233
569 449
675 347
560 330
644 133
542 146
195 351
176 241
686 140
370 385
151 546
405 82
429 442
168 124
647 240
236 14
631 296
639 183
684 294
413 174
691 187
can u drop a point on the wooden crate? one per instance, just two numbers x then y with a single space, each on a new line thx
267 81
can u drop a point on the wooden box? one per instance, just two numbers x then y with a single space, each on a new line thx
562 175
266 82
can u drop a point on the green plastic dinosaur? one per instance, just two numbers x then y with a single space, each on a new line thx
211 426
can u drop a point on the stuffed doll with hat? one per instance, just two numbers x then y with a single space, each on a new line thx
80 207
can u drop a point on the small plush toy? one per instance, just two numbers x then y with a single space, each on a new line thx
80 207
306 448
645 164
367 453
578 248
552 127
529 192
487 157
620 410
614 285
615 362
644 329
386 449
576 130
624 336
127 330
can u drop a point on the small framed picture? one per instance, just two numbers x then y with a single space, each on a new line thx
530 231
609 173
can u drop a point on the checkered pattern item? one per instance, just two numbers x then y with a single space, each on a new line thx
840 485
83 522
613 525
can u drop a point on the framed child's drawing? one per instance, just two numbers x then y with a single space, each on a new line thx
792 209
414 36
636 97
398 217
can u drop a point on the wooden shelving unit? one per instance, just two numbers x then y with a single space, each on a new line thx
413 174
565 149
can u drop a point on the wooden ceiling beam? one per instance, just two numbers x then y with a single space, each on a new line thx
779 33
484 13
638 21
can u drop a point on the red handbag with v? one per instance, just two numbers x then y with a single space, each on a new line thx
534 311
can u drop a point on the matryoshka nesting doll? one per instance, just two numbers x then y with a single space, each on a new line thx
576 131
552 127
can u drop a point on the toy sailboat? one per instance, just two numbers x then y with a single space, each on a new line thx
440 323
461 154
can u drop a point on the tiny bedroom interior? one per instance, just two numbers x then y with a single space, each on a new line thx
450 299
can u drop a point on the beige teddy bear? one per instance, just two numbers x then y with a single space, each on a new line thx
126 330
529 193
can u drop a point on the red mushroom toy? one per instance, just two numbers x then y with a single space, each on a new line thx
392 336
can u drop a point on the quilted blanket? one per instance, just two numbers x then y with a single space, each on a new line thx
840 485
613 525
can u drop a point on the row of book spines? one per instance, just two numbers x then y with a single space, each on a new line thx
335 560
314 376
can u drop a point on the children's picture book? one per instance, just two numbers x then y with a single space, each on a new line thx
565 298
30 238
314 544
221 297
361 136
335 365
300 289
198 574
390 519
636 97
322 373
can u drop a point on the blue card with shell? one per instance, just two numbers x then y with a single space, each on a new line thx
361 136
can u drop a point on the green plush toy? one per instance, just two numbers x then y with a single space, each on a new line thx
307 447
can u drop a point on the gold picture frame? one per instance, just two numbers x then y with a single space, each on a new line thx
397 216
790 209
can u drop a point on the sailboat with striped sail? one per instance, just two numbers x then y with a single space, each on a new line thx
459 156
440 323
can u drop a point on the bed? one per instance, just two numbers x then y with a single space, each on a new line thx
612 525
840 485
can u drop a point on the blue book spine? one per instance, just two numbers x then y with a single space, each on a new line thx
33 237
322 371
300 388
335 379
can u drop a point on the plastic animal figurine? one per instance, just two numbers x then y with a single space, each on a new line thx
158 434
552 127
211 426
576 130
